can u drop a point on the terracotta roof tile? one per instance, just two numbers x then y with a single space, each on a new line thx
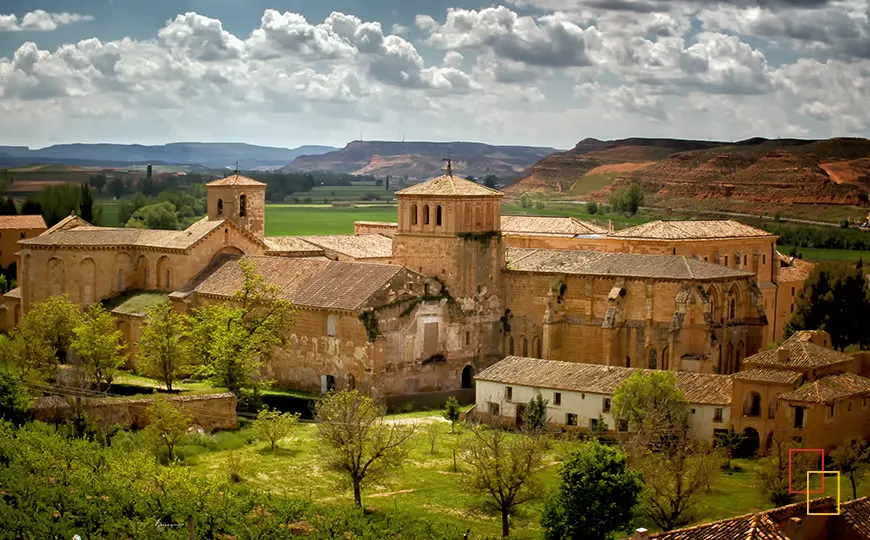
360 246
782 376
857 514
548 225
68 222
690 230
795 271
450 185
799 355
699 388
14 293
236 180
22 222
317 283
290 244
616 264
829 389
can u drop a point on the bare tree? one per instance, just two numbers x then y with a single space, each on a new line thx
432 432
357 440
504 468
853 460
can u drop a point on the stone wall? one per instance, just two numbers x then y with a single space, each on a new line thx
9 244
209 411
375 227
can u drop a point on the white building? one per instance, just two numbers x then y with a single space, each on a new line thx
578 394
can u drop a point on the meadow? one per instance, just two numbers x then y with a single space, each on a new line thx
822 255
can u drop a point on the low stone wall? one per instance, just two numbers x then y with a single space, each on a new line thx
429 400
209 411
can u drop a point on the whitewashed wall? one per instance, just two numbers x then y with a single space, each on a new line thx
586 406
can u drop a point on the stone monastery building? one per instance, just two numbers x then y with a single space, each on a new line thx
424 304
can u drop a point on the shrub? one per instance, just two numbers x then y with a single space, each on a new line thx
591 207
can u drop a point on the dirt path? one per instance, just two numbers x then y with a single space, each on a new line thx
423 420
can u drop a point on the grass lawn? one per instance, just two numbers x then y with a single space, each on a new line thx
293 220
820 254
111 211
136 302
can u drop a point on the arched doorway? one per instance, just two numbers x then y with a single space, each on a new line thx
749 445
467 377
653 361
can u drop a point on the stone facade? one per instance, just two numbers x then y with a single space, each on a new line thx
12 230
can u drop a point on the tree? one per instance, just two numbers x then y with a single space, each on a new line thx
155 216
596 496
53 320
235 339
58 201
31 207
272 426
834 299
98 182
164 352
357 441
853 460
130 205
116 186
535 415
15 401
652 405
490 181
504 469
591 207
628 199
28 355
167 425
432 432
87 211
451 412
99 345
729 442
7 206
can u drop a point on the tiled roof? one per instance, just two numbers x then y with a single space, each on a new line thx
796 271
22 222
14 293
236 180
361 246
89 235
699 388
549 225
450 185
290 244
857 514
690 230
616 264
800 354
758 526
782 376
68 222
830 388
315 283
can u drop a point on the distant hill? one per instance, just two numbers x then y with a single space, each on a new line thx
210 155
831 171
420 160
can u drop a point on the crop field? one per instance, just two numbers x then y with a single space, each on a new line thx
821 255
294 219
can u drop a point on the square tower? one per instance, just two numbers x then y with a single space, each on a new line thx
240 199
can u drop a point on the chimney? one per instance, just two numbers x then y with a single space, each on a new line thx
640 534
782 355
794 528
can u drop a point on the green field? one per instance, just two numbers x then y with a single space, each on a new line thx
820 254
594 182
293 220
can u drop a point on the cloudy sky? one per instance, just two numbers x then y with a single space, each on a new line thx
537 72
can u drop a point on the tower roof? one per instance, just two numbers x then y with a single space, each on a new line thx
450 185
236 180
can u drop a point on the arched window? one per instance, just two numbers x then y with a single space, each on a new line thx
414 217
540 349
732 308
120 279
438 215
525 347
168 281
653 360
426 214
666 360
330 325
220 208
510 345
242 200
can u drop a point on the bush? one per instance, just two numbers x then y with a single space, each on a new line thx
14 399
591 207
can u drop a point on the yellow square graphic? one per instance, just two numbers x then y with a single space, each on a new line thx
837 513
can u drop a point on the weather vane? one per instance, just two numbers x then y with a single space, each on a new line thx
449 163
237 167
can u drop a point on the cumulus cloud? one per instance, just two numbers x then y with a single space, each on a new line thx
40 21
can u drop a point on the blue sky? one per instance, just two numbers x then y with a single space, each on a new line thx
540 72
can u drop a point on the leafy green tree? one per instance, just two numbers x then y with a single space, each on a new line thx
5 287
58 201
652 404
155 216
357 441
31 207
597 495
772 470
490 181
98 182
87 210
591 207
834 299
628 199
99 345
53 320
451 412
167 425
15 400
535 415
164 351
853 460
235 339
272 426
130 205
117 187
504 469
729 441
7 206
28 355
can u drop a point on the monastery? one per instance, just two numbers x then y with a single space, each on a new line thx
424 304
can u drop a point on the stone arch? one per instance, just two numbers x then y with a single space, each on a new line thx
739 356
666 358
749 445
734 303
653 358
123 272
164 273
752 405
88 276
228 250
55 276
715 303
220 207
467 379
538 347
414 217
142 271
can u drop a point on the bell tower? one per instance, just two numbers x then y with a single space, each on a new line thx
450 228
240 199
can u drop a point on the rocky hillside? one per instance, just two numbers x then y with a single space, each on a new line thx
421 160
833 171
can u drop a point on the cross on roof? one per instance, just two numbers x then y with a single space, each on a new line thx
449 163
237 167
